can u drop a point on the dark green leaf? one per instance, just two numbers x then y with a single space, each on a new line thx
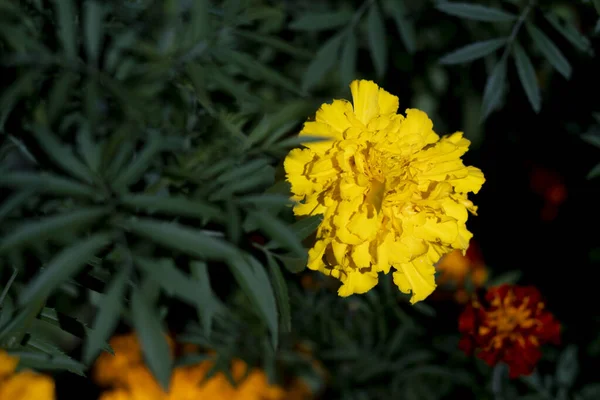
152 338
11 94
107 318
592 138
176 206
376 39
13 202
324 60
306 226
275 43
549 50
510 277
47 183
243 171
93 29
348 61
292 263
320 21
200 21
139 164
275 125
472 51
59 94
169 278
570 32
61 154
296 141
49 226
207 302
266 201
254 281
494 88
43 361
594 172
405 27
182 238
475 12
527 77
89 150
63 266
278 232
567 367
67 28
281 293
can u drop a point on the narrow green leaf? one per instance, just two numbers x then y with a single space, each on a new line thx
376 39
320 21
207 302
47 183
567 367
405 26
59 94
527 77
278 232
266 201
49 226
93 23
594 172
261 178
169 278
152 337
281 293
90 151
292 263
197 76
65 10
348 60
61 155
549 50
323 62
243 171
275 43
255 283
306 226
12 333
472 51
13 202
597 5
570 32
63 266
182 238
107 318
494 88
296 141
200 21
475 12
43 361
230 85
139 164
592 138
176 206
18 89
275 125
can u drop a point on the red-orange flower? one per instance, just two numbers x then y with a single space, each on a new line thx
509 325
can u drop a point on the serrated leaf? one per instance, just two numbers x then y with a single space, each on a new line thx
65 10
292 263
93 29
152 337
376 39
275 125
46 227
594 172
176 206
107 318
266 200
569 31
255 283
278 232
169 278
140 163
527 77
320 21
322 63
472 51
47 183
64 265
348 60
494 88
306 226
208 304
245 170
88 148
61 155
182 238
475 12
43 361
281 293
549 50
296 141
404 25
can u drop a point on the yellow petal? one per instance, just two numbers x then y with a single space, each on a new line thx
416 277
365 98
357 282
295 165
334 115
315 255
361 255
8 364
471 183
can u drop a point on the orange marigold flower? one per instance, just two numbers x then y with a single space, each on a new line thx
509 325
24 385
457 269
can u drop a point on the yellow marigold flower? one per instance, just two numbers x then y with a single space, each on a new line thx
25 385
8 364
391 192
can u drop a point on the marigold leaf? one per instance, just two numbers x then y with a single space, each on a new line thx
475 12
182 238
176 206
321 21
64 265
107 318
376 39
152 337
169 278
570 32
567 367
549 50
59 94
47 183
281 293
65 10
208 304
93 29
306 226
13 202
527 77
275 43
88 148
43 361
348 60
322 63
594 172
404 25
46 227
292 263
279 232
472 51
139 164
494 88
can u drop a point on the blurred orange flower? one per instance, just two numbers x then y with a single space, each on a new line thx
509 325
130 379
457 270
25 385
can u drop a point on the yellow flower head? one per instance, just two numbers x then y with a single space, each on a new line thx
391 192
23 385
